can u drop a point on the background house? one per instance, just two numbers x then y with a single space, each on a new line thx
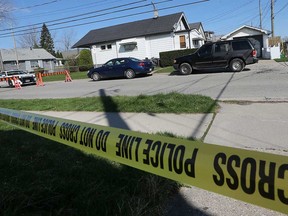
141 39
28 59
197 35
258 37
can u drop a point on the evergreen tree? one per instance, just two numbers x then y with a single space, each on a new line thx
46 41
59 54
85 58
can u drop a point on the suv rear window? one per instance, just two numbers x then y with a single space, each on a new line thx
241 45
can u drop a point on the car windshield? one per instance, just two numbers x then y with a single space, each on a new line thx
11 73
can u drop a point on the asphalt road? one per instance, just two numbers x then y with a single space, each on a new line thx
265 81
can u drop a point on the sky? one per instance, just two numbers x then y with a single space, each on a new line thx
76 18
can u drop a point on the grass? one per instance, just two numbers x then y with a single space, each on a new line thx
169 69
42 177
282 59
159 103
74 75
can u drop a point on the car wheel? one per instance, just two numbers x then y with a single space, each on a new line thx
185 68
236 65
129 74
95 76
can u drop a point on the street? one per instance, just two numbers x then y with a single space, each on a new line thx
265 81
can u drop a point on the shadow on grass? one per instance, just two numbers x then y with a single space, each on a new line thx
43 177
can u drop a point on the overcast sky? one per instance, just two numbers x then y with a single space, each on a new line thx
78 17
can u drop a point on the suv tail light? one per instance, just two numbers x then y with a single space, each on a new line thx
254 53
142 64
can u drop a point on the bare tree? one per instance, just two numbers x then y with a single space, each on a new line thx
68 39
5 9
30 39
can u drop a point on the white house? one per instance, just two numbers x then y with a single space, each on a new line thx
259 38
142 39
197 35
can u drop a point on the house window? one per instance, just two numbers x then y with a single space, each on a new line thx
105 47
130 47
182 41
196 43
34 64
13 63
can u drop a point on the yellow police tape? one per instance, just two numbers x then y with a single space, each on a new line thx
255 177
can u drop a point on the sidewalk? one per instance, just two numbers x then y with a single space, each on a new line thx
256 126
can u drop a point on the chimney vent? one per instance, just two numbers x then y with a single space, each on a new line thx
156 13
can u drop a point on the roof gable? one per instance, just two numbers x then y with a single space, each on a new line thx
196 25
25 54
145 27
251 28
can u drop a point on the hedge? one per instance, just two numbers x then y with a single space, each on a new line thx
167 58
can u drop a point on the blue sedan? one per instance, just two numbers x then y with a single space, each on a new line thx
121 67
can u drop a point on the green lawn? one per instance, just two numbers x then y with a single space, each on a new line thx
61 77
160 103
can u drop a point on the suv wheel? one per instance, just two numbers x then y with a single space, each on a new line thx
185 68
236 65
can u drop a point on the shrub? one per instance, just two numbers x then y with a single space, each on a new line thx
167 58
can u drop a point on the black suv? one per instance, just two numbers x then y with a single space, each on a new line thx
233 54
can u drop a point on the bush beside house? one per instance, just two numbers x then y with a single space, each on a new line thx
167 58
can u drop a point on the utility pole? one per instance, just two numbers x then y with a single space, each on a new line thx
15 48
272 17
260 13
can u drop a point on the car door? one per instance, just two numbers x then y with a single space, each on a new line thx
221 54
107 70
120 67
204 57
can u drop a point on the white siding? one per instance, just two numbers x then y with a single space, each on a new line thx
159 43
196 36
180 26
138 52
100 56
177 40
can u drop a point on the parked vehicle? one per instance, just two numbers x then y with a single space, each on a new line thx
233 55
23 77
121 67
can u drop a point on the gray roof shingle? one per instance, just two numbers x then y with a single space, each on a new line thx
195 25
25 54
129 30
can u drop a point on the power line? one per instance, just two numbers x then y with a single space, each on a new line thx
227 12
34 6
69 9
118 17
78 15
281 9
